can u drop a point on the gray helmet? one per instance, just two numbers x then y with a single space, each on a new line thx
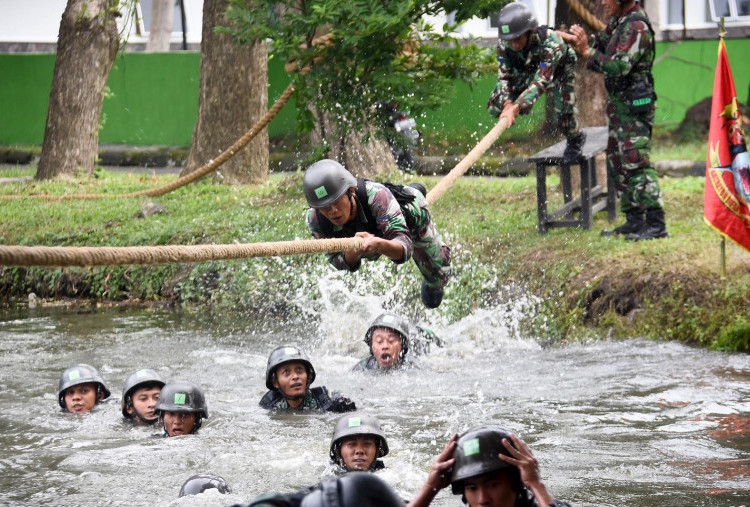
515 20
182 396
393 322
355 489
476 454
197 484
357 423
136 380
325 182
81 374
285 354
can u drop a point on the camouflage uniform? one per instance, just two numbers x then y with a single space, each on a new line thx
624 52
522 76
422 241
317 398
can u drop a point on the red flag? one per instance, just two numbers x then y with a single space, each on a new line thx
726 202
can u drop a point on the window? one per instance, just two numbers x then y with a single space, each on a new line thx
143 17
731 10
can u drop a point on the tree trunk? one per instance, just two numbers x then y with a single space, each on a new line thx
361 159
233 97
162 22
86 48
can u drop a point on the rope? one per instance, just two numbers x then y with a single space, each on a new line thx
108 256
586 15
188 178
458 171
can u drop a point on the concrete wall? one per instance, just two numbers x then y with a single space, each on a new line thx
154 97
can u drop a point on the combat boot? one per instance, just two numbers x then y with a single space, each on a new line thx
634 222
654 228
431 297
572 152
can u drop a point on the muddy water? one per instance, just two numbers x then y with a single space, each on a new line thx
612 423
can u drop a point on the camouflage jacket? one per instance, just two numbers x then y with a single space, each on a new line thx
623 52
317 398
390 223
524 75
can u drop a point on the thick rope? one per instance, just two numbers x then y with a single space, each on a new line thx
188 178
458 171
586 15
108 256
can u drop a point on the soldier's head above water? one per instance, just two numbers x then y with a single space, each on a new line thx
358 442
181 408
139 396
81 388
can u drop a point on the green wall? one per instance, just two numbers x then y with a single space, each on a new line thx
154 97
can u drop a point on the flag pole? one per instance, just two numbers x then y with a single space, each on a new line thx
723 246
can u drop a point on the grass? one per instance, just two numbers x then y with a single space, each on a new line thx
581 284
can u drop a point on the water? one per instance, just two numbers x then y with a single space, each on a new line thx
612 423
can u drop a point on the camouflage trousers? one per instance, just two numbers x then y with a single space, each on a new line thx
563 97
430 254
628 161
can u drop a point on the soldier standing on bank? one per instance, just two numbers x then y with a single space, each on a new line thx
624 53
531 60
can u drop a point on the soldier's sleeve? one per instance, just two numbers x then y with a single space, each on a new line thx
632 43
390 222
552 51
335 258
501 92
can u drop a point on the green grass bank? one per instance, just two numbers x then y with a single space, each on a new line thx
574 284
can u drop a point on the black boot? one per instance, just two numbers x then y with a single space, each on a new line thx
633 223
431 297
572 152
655 226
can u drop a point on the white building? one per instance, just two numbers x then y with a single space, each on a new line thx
32 25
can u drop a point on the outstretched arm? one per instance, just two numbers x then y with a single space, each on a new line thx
439 476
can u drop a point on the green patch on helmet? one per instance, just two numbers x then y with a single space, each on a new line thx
291 351
471 447
354 422
75 374
388 319
179 398
141 373
321 192
505 28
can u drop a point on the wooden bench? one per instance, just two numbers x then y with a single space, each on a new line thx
593 198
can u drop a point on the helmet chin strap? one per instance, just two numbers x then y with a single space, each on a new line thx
144 419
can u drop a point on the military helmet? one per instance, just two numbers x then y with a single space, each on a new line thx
182 396
476 454
515 19
197 484
136 380
393 322
353 424
355 489
325 182
81 374
285 354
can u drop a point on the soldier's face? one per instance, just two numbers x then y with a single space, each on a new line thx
612 7
493 489
178 423
291 379
340 212
80 398
359 452
386 347
519 42
144 400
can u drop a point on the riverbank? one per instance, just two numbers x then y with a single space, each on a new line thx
575 284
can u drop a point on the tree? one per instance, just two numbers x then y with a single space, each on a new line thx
86 48
233 97
380 51
162 22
